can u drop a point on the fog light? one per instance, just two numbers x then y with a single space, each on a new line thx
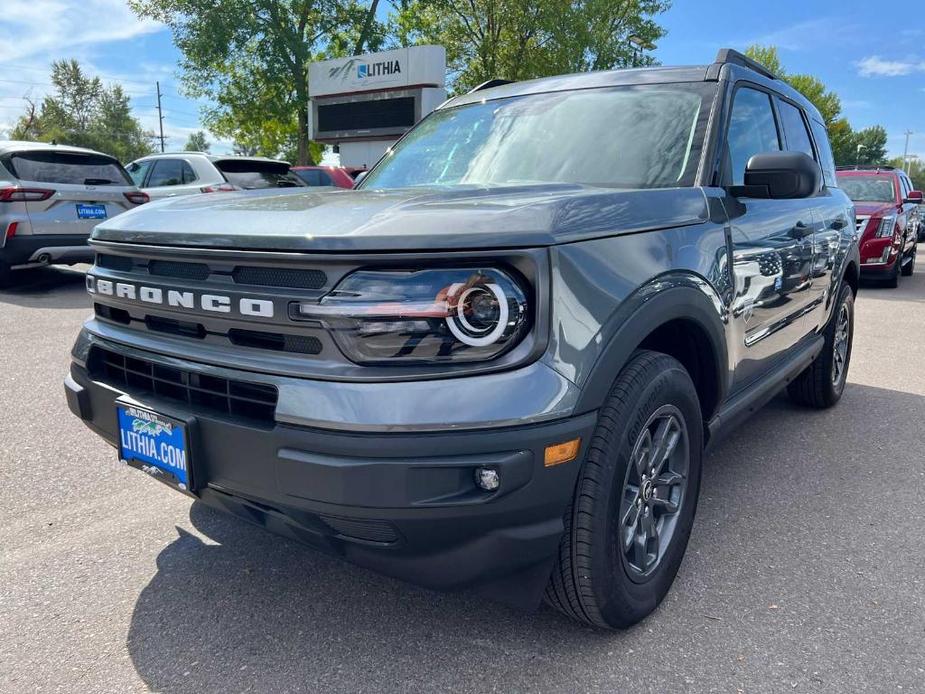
487 478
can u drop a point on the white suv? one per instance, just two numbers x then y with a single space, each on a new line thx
188 173
51 197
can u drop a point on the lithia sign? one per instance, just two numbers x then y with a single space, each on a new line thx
416 66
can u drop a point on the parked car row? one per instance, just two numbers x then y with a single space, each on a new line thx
51 196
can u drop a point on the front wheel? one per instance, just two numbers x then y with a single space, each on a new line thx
633 509
822 383
909 267
6 275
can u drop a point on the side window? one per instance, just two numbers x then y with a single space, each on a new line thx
325 179
751 130
189 175
138 170
791 119
166 172
826 160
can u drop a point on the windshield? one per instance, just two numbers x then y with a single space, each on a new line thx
868 188
50 166
620 137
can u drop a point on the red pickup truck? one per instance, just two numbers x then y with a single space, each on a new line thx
888 220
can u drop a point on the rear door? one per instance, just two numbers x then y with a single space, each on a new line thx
85 189
772 242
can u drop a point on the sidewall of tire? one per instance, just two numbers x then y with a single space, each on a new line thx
620 600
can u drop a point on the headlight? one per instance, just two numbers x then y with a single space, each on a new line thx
886 226
439 315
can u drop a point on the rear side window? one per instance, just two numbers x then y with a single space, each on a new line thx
794 126
315 177
250 174
826 160
171 172
49 166
751 130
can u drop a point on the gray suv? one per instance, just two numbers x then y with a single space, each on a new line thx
51 197
498 363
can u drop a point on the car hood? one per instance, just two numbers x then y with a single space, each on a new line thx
874 209
404 219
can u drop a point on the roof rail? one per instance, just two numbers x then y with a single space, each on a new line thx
733 57
488 84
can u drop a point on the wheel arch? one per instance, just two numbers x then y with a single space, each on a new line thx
685 321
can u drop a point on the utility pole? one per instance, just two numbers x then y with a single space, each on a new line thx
906 153
160 115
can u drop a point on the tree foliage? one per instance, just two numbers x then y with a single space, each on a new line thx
197 142
844 139
84 113
916 168
522 39
250 58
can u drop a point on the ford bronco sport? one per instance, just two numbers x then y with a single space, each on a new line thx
497 363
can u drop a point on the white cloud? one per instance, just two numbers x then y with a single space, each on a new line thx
804 35
40 26
875 66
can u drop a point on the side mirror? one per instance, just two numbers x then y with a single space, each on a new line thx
780 175
915 196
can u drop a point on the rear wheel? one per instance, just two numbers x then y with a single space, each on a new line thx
822 383
630 519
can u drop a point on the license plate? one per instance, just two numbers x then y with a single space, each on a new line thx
85 211
154 444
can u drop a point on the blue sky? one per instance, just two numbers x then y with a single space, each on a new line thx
872 54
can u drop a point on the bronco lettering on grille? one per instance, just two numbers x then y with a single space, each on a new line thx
216 303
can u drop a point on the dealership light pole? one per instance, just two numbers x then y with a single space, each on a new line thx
906 152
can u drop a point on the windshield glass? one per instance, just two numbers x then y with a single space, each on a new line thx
867 188
620 137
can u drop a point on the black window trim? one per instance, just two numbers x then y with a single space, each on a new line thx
806 124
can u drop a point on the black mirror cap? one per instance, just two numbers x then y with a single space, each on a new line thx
780 175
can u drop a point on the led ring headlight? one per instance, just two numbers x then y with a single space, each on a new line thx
465 334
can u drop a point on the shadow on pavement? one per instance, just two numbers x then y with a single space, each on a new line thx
259 613
52 287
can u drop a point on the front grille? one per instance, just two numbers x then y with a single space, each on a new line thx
362 529
280 342
120 263
279 277
255 401
183 271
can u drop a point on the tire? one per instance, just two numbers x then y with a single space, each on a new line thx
909 267
893 280
6 275
817 386
595 580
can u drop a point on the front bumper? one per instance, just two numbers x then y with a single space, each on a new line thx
46 249
404 504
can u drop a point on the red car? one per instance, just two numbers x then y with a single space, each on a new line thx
888 219
337 176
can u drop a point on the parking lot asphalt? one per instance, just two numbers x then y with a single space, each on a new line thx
805 571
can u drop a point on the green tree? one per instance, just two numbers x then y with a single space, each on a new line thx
916 168
197 142
251 57
522 39
843 138
84 113
871 142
